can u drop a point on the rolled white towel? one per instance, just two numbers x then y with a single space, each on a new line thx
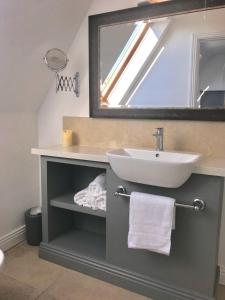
80 196
100 180
94 196
98 201
98 184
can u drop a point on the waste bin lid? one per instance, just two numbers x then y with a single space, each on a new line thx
35 211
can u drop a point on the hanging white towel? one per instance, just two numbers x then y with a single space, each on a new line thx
150 222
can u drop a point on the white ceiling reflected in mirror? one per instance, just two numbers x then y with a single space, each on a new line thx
171 62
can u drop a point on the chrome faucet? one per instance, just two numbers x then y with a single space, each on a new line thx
159 139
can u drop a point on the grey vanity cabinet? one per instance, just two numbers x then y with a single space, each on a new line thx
95 242
193 260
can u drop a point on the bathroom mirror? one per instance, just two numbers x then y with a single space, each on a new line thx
56 60
160 61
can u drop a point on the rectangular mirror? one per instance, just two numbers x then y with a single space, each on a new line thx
160 61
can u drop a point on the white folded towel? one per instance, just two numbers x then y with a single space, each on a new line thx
150 222
94 196
81 198
97 185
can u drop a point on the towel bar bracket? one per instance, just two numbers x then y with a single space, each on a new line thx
197 205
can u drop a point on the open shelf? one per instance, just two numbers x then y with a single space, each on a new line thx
66 202
78 230
85 243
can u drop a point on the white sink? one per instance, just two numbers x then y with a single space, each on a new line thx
165 169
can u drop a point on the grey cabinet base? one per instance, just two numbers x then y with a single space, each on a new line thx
112 274
95 243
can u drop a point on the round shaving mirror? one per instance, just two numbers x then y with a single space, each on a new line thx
56 60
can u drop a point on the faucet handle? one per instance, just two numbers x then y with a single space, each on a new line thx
159 138
159 131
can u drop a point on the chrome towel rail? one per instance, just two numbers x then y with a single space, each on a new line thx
197 205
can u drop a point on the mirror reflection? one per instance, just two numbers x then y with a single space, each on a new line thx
172 62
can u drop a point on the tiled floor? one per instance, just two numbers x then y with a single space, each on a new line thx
25 276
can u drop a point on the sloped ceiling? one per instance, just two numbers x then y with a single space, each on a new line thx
28 28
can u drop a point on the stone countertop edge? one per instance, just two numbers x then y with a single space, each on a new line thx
207 166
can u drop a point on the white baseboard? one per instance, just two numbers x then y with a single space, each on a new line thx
13 238
222 275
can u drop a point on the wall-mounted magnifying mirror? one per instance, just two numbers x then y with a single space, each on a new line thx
56 60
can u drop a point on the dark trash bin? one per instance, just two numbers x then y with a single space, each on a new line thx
33 222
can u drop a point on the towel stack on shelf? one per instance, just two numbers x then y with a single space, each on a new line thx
94 196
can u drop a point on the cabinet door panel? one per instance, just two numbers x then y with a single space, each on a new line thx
193 259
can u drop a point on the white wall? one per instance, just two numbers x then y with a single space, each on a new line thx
28 28
222 245
18 169
56 106
168 82
212 73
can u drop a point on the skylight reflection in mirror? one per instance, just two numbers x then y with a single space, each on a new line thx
156 63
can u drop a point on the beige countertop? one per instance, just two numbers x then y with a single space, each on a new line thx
207 166
74 152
